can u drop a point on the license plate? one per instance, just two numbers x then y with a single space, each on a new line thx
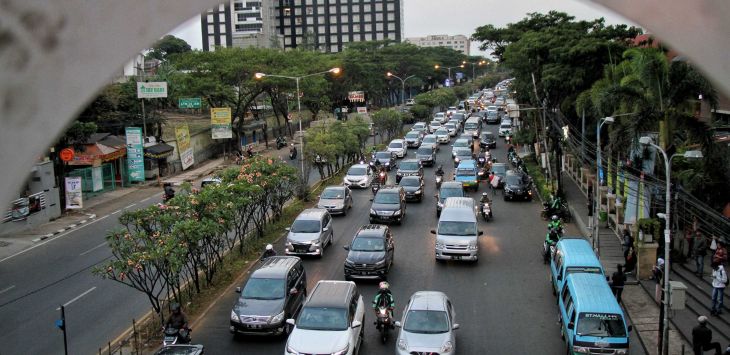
456 257
254 326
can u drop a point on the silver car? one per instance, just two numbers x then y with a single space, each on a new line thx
336 199
427 326
442 135
359 175
310 233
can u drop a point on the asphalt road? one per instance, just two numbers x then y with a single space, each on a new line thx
503 303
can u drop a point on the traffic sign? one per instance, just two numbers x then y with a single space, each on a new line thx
66 154
193 102
150 90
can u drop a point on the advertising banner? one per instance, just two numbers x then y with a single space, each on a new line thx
220 122
151 90
97 179
182 134
135 153
74 198
356 96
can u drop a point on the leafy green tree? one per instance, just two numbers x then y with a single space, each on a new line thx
387 122
420 111
168 46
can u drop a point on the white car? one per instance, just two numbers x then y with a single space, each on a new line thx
420 127
359 175
491 108
442 135
398 147
433 126
451 111
330 322
439 117
451 127
428 325
505 128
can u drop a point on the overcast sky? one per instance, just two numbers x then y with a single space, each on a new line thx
431 17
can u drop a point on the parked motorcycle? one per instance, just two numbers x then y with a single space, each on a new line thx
384 323
168 193
486 211
174 336
562 212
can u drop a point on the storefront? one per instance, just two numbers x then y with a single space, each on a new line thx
155 160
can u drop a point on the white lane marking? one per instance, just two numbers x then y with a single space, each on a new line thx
130 206
92 249
115 212
77 298
7 289
145 200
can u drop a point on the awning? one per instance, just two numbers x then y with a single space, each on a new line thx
158 151
97 152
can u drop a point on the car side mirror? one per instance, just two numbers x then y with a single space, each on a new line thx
346 247
630 328
293 291
433 231
290 321
371 200
481 232
397 324
608 278
325 229
456 326
571 325
287 229
356 323
560 278
238 290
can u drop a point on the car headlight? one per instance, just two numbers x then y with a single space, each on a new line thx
379 263
396 213
621 351
456 159
447 347
372 211
349 262
287 244
343 351
277 318
399 173
581 350
290 350
473 247
439 245
419 191
316 242
234 317
402 344
387 163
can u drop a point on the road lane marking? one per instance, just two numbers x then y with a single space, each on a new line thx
92 249
77 298
7 289
115 212
145 200
130 206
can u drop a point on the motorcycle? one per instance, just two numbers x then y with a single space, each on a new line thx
375 186
562 212
548 249
280 142
174 336
384 323
439 180
481 160
486 211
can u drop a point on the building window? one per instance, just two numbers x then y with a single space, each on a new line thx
356 17
379 36
344 29
287 11
379 26
310 11
299 20
222 28
391 26
333 9
237 6
333 19
343 19
356 27
321 29
368 27
333 48
391 6
391 16
379 16
320 19
344 9
333 39
379 6
322 39
333 29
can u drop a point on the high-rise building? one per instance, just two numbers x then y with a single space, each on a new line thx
459 43
326 25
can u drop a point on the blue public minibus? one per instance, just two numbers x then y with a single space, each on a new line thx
573 255
591 320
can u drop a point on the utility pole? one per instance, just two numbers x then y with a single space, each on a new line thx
544 129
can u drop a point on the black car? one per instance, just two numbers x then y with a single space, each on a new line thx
488 140
274 293
408 167
389 205
517 186
492 117
386 159
413 186
370 254
426 155
181 349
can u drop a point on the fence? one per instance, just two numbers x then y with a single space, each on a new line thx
96 180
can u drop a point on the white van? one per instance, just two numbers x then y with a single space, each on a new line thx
457 235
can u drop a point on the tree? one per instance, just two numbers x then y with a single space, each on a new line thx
168 46
387 121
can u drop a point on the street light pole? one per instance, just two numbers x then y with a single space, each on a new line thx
449 68
597 203
664 310
403 86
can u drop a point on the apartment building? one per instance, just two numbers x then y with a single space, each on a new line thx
459 43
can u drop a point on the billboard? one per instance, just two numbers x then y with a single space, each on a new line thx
182 135
220 122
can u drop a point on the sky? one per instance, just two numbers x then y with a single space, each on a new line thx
428 17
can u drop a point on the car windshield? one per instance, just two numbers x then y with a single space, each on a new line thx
383 155
305 226
386 198
412 135
368 244
601 325
264 289
505 125
499 169
322 318
466 172
357 170
513 180
458 116
424 151
488 137
435 123
333 194
451 192
410 182
457 228
441 131
395 145
426 322
429 139
419 126
409 165
461 143
463 154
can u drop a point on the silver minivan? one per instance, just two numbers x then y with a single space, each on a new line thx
457 235
310 233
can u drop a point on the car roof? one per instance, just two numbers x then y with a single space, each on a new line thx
390 189
397 141
451 184
359 166
461 140
372 230
312 213
462 150
466 164
331 293
473 119
428 301
275 267
335 187
592 294
577 252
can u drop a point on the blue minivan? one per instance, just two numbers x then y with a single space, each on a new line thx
573 255
591 320
466 174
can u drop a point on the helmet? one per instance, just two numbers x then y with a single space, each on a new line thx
384 286
554 217
484 194
440 167
175 307
269 247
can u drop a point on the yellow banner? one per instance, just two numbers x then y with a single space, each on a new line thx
220 122
182 135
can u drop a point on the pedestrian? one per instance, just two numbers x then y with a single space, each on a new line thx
630 260
627 240
699 252
658 276
495 184
719 281
618 280
720 255
689 237
702 338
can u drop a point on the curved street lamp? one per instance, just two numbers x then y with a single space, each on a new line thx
437 67
403 85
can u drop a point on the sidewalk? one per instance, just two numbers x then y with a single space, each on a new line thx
640 307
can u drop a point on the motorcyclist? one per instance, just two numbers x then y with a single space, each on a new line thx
382 175
169 191
384 297
440 171
178 320
556 203
269 251
483 200
557 225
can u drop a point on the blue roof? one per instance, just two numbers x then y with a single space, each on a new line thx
591 293
578 252
467 164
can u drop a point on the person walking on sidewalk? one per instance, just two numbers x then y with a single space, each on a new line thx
618 280
719 281
702 338
720 255
630 260
699 252
628 240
